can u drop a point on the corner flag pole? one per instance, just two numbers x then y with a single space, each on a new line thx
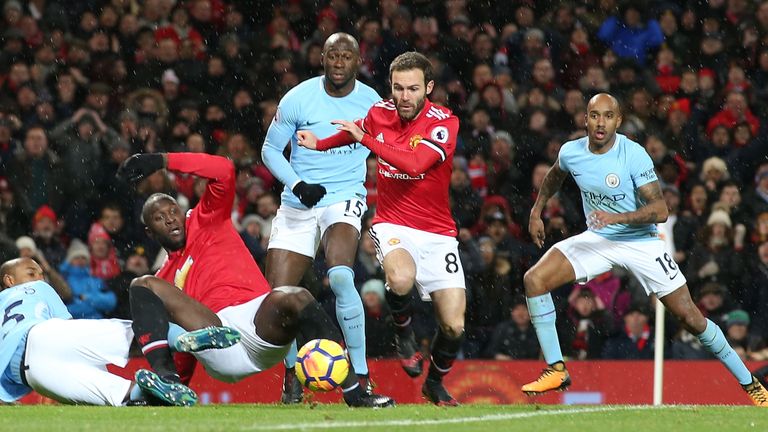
658 356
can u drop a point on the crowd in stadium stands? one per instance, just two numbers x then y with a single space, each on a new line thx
83 85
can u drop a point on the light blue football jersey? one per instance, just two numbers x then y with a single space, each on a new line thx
308 107
609 181
22 307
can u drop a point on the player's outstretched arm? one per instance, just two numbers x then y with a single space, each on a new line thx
347 132
654 211
549 187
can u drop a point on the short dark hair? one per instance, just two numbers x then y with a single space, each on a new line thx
412 60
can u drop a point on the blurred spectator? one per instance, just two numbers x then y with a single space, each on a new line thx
635 341
713 302
379 327
37 175
631 34
714 259
45 232
757 201
465 201
679 231
758 288
104 264
489 297
251 233
90 299
13 220
735 110
28 249
80 141
586 327
737 332
515 338
136 265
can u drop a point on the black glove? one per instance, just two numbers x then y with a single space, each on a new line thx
139 166
309 194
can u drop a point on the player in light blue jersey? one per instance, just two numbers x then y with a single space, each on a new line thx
324 196
622 202
43 349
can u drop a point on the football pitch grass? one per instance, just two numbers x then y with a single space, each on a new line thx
422 418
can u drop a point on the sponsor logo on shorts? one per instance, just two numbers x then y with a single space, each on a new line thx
612 180
393 241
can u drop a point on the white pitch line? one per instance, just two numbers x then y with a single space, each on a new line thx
455 420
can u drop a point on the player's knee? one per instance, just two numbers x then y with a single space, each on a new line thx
534 285
401 281
145 281
453 329
340 275
294 299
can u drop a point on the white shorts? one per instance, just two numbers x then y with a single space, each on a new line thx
66 360
252 355
436 256
591 255
300 230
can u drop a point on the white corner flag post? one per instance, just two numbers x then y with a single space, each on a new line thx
658 355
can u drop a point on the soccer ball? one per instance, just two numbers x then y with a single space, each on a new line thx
321 365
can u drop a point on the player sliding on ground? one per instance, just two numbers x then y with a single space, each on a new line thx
211 279
622 201
66 359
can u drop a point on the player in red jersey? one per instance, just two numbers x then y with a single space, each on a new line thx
413 228
210 279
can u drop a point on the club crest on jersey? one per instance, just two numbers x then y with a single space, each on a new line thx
612 180
440 134
181 274
415 140
394 241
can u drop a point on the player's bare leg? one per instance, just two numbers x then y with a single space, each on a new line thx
680 304
552 271
289 313
450 305
154 304
340 242
400 271
286 268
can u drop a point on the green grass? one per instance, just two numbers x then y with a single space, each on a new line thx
421 418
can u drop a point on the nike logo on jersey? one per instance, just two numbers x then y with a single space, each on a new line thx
672 277
575 174
351 318
310 124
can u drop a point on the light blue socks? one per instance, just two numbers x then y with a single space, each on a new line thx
714 340
542 311
350 315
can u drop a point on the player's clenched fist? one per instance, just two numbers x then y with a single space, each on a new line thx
307 139
309 194
141 165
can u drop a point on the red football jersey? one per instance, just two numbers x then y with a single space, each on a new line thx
214 268
415 200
